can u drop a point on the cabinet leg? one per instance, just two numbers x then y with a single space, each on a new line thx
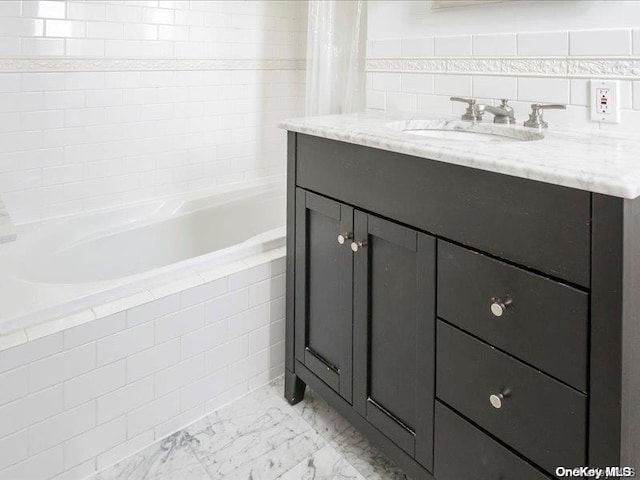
293 388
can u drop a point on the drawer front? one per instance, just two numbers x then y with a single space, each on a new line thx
462 452
539 225
538 416
540 321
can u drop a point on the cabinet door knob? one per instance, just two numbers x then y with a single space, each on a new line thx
355 246
499 307
496 400
343 237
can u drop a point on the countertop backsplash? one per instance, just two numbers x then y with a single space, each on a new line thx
419 74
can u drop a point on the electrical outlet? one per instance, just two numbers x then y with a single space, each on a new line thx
605 102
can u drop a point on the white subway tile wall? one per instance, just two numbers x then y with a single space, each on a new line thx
494 45
426 87
221 29
384 48
543 44
636 95
417 83
459 45
181 357
459 85
495 87
418 47
600 42
74 141
549 90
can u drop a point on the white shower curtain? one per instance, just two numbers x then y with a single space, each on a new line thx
335 78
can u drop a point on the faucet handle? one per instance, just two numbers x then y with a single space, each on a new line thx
470 101
535 117
474 111
548 106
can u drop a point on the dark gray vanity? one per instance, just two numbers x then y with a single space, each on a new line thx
473 325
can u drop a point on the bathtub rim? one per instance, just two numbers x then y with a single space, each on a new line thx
19 336
192 272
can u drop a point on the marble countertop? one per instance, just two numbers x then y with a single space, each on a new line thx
7 229
608 164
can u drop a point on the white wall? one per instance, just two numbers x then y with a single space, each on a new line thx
106 102
527 51
410 18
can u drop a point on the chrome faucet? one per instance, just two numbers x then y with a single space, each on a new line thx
535 117
502 113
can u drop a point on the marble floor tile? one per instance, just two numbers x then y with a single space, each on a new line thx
323 418
261 437
169 459
249 439
325 464
365 457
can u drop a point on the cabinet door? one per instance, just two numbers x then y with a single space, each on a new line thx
324 290
394 330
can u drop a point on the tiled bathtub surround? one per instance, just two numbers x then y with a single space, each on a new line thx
149 28
420 74
7 229
107 102
84 398
84 141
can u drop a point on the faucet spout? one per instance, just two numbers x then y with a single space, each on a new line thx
496 110
502 113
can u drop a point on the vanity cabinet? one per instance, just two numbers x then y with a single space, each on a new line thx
364 311
394 316
469 323
324 273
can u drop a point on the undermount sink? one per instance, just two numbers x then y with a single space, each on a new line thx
458 130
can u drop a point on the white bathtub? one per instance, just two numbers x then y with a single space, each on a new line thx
65 265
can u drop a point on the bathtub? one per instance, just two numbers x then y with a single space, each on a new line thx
71 264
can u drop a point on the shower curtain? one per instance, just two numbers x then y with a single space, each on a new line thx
336 39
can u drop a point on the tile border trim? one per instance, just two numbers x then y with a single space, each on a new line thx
58 64
559 67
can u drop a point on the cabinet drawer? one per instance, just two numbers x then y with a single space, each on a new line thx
543 322
538 416
462 452
543 226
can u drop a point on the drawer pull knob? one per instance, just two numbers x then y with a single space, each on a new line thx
343 237
355 246
496 400
499 307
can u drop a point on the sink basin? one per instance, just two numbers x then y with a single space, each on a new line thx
458 130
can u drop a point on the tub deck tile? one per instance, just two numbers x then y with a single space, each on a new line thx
13 339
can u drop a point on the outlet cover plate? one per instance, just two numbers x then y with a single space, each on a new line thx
605 101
